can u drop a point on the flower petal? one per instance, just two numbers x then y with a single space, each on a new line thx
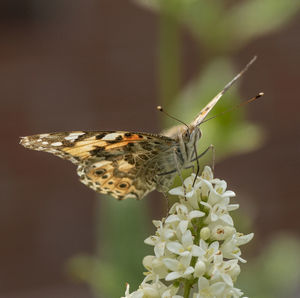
171 264
183 225
187 238
177 191
173 275
195 214
175 247
159 249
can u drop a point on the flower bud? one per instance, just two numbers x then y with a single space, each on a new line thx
200 268
205 233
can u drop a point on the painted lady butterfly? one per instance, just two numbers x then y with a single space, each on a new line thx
126 164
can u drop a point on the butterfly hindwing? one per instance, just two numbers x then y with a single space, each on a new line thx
115 177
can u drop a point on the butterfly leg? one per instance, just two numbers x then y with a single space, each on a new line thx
211 147
167 205
179 172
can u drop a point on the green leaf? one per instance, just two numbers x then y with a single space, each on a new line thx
223 29
251 19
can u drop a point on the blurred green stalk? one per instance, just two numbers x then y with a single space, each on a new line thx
169 51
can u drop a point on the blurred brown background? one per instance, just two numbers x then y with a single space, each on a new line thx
92 65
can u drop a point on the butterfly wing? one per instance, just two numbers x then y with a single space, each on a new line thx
204 112
121 164
59 144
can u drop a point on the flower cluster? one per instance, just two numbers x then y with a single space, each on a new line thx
196 247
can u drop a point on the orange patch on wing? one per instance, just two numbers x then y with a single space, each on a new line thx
117 145
90 141
134 137
126 140
81 149
82 152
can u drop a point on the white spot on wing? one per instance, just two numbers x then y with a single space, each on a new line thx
102 163
74 135
57 144
71 138
111 136
45 143
79 133
43 135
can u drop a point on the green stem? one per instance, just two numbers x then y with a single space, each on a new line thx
187 289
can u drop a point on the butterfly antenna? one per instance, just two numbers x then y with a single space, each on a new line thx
163 111
236 107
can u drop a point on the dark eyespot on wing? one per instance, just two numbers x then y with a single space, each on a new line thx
100 172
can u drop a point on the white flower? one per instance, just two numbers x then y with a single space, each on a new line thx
154 290
226 271
230 247
188 190
197 242
200 268
159 241
220 232
155 267
185 247
182 217
207 174
209 251
207 290
205 233
219 211
180 267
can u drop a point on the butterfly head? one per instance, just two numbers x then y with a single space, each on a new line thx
188 140
191 134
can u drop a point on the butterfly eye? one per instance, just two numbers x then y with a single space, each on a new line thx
123 185
186 135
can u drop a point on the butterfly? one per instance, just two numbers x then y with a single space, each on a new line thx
128 164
